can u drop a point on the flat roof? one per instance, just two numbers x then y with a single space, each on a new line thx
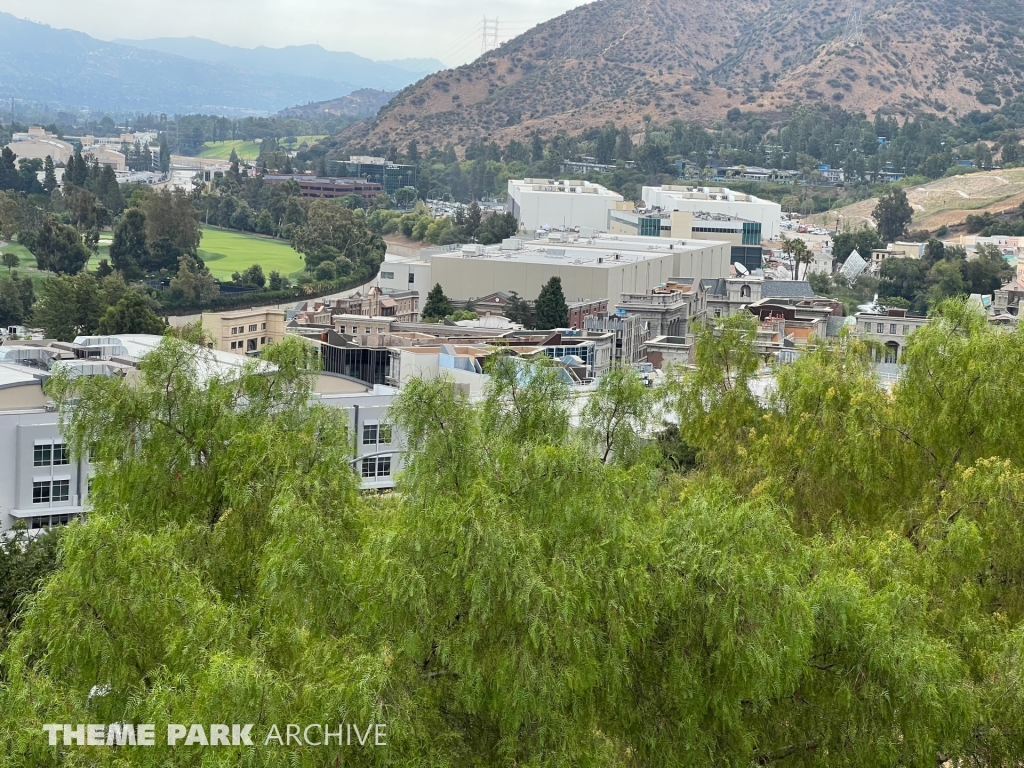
606 251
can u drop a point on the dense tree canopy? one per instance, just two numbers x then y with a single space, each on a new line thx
839 583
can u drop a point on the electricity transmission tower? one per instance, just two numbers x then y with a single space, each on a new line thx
489 37
571 40
854 24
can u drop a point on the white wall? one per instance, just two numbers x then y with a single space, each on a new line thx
767 213
562 209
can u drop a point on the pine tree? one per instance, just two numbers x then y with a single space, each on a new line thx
438 306
50 177
892 215
550 308
81 169
69 174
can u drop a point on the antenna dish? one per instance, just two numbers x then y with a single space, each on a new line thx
741 269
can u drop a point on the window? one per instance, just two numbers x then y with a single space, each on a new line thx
250 345
906 329
61 490
881 328
380 329
252 327
234 345
234 330
867 327
412 278
263 327
367 329
61 455
41 455
384 434
892 329
718 312
41 492
263 339
379 466
745 291
369 434
387 275
46 521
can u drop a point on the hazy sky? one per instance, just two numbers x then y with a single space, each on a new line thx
449 30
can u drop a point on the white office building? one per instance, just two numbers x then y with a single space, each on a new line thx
540 203
717 200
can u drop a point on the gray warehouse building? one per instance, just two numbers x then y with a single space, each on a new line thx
599 267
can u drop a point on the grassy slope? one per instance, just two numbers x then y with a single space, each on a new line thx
947 201
226 252
247 150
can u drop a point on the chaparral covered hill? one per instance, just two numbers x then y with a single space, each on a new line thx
618 60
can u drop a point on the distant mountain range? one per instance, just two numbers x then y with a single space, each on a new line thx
365 102
698 61
297 60
63 69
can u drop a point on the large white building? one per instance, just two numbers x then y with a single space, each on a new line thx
539 203
717 200
591 268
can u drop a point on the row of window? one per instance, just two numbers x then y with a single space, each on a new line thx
376 434
377 466
355 329
51 455
48 491
48 521
880 328
237 329
250 344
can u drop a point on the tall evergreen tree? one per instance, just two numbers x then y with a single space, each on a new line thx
437 306
50 177
550 308
129 250
59 248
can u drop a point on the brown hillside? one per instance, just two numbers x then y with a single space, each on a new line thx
619 60
946 201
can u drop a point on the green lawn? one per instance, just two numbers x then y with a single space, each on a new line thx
246 150
226 252
221 150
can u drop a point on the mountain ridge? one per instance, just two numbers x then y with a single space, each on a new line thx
298 60
622 61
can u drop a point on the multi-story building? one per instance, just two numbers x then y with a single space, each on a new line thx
1007 300
566 204
38 144
728 296
717 200
890 328
244 331
630 334
391 176
400 306
743 235
330 187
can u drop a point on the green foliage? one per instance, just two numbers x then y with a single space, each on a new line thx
58 248
862 240
129 249
132 314
337 234
16 298
24 561
892 215
437 305
550 308
11 260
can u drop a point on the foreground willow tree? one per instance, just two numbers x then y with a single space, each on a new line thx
839 584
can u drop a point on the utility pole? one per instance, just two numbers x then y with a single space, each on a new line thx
489 37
